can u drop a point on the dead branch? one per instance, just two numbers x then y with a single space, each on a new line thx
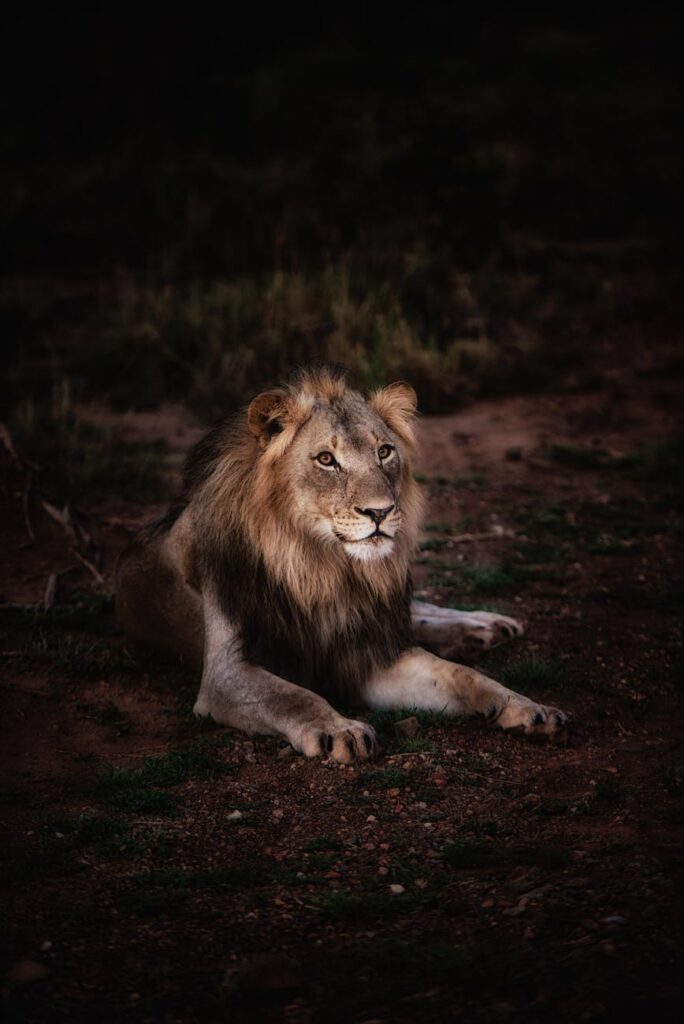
95 573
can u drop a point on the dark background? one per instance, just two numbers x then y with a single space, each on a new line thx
187 201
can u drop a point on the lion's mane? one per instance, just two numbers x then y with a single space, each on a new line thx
305 611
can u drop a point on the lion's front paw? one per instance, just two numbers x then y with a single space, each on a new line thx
524 716
345 740
489 630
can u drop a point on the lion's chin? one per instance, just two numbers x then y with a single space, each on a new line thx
370 550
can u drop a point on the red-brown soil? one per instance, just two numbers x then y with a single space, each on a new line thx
531 882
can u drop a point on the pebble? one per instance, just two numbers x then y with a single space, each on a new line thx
234 816
397 890
407 727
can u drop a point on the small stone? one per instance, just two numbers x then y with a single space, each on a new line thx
407 727
234 816
285 752
25 971
371 818
397 890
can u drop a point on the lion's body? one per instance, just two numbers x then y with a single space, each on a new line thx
266 572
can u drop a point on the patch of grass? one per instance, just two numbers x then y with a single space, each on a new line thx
109 837
546 518
487 579
79 658
90 611
197 761
384 719
438 527
85 829
413 745
138 801
433 544
322 843
79 454
355 908
107 714
532 672
465 853
532 553
320 862
608 544
657 461
580 457
136 790
165 891
387 778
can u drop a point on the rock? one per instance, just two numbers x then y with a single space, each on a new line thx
397 890
284 753
407 728
25 971
234 816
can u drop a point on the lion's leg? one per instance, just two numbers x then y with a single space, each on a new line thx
250 698
448 631
421 680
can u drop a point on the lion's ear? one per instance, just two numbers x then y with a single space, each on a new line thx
397 404
265 414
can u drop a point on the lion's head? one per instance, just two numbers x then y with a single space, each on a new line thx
338 465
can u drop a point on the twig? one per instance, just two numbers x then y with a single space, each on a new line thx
62 517
88 565
463 538
25 506
50 591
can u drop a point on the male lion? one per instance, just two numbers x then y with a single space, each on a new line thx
283 570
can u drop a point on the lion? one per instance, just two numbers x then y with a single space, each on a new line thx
283 573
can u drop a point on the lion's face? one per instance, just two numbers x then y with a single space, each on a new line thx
347 473
345 463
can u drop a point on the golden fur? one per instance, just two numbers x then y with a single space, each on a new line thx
244 507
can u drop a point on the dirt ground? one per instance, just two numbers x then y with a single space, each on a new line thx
157 870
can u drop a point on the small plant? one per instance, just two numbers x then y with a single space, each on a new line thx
108 714
388 778
580 458
321 843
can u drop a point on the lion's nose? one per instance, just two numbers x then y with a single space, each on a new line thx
376 514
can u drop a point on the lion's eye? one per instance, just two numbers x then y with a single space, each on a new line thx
384 451
326 459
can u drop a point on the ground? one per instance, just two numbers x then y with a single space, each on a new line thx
158 870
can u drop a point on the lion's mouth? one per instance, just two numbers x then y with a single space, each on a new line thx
376 533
